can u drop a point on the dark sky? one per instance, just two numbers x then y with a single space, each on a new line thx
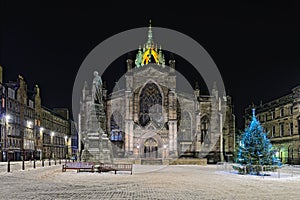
254 45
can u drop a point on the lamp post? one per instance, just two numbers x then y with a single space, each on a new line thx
41 152
52 149
7 118
66 147
165 152
138 148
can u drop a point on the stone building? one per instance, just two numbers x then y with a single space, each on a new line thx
151 119
29 130
281 118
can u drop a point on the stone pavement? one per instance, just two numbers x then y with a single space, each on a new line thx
147 182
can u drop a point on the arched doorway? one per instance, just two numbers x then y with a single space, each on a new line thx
150 148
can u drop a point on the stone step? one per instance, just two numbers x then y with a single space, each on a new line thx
151 162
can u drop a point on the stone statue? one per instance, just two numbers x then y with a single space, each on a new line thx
97 88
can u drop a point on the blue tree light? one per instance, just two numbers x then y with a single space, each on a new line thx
255 147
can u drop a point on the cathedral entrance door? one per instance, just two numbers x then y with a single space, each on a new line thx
150 148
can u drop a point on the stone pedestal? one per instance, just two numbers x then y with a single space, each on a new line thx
97 146
106 153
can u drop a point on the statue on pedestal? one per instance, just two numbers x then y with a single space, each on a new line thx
97 144
97 88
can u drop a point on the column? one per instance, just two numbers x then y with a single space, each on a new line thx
175 137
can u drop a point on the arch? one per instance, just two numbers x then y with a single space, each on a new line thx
205 129
150 100
116 127
290 154
116 121
185 132
150 148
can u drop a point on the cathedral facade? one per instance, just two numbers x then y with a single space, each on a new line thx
151 119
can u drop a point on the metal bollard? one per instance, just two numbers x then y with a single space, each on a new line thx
54 161
34 164
49 162
8 166
59 161
43 164
23 164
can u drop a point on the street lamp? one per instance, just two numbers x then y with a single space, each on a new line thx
52 145
138 148
165 153
7 117
29 124
66 147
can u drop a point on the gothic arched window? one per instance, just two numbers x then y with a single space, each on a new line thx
116 125
185 127
150 101
116 121
204 129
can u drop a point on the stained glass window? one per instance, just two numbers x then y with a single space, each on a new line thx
150 99
204 129
185 127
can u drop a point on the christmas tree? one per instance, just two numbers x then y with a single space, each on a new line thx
255 147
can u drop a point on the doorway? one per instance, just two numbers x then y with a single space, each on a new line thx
150 148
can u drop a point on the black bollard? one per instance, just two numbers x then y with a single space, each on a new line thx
49 162
8 166
54 161
34 164
43 163
23 164
60 161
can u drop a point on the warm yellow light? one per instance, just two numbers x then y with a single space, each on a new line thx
7 117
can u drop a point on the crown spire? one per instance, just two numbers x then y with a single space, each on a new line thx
149 53
150 40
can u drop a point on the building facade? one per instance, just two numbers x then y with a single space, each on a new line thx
281 119
28 129
151 119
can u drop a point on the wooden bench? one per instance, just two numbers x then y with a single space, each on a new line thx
106 167
79 166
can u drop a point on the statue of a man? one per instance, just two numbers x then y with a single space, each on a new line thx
97 88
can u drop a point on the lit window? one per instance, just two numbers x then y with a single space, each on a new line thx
291 110
273 131
281 130
281 112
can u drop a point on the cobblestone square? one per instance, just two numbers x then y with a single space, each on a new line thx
147 182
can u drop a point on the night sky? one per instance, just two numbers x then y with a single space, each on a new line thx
256 46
